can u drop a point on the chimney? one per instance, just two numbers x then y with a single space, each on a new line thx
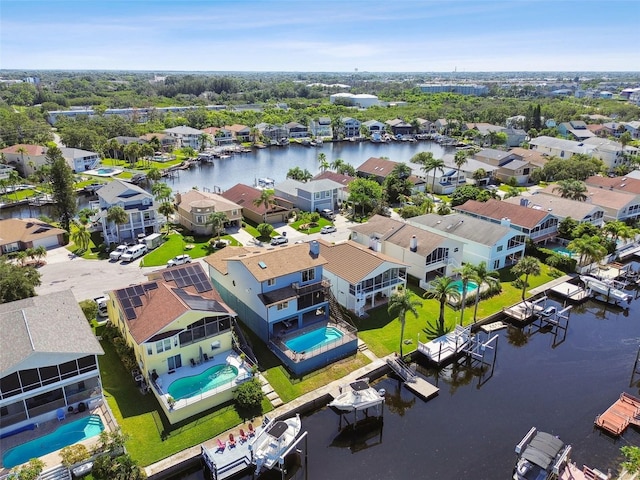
178 198
314 248
506 222
524 202
413 245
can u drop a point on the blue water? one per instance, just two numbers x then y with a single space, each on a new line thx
563 251
210 379
471 286
63 436
105 171
314 339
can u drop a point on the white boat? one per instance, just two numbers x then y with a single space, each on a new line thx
358 396
606 288
272 442
540 456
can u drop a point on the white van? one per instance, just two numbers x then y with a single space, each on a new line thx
134 252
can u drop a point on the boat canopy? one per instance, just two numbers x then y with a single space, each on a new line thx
543 449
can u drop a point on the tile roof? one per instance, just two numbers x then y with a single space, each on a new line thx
245 195
600 196
620 184
322 185
380 167
464 227
192 197
557 206
532 156
267 263
52 325
29 149
497 210
344 180
25 230
352 261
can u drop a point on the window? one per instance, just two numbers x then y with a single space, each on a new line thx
282 305
271 282
499 249
496 264
163 345
308 275
149 350
438 255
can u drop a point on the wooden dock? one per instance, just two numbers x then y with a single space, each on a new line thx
493 326
447 346
523 311
625 411
413 380
570 291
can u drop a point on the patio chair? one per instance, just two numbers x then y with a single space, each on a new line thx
206 357
252 432
243 436
60 414
193 362
221 446
232 441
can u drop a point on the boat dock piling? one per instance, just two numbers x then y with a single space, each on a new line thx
625 411
412 380
636 367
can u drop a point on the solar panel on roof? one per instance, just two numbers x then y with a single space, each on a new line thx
130 313
168 276
130 291
121 294
151 286
136 301
139 290
203 277
126 302
191 270
181 283
203 287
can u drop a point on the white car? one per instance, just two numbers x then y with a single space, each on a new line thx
117 253
133 252
179 260
279 240
328 229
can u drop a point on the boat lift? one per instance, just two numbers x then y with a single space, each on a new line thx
557 323
481 353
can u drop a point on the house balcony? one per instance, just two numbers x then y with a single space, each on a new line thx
322 285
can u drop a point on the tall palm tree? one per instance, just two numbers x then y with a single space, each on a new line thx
22 151
147 151
467 273
441 289
571 189
161 192
81 236
337 164
117 215
433 165
482 276
526 266
460 159
590 249
203 141
322 161
265 199
217 221
402 301
154 174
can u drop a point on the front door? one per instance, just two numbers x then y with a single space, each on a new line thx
174 362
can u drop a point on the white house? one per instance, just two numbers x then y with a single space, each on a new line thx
25 158
80 160
312 196
185 136
561 208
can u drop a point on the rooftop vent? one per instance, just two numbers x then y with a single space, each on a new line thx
262 265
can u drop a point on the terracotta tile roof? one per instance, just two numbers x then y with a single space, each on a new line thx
25 230
600 196
620 184
497 210
29 149
267 263
163 305
352 261
380 167
245 195
531 156
236 127
336 177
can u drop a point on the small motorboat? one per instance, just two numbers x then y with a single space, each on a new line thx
358 396
270 445
547 312
540 456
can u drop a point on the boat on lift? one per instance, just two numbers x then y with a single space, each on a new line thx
358 396
273 441
540 456
606 288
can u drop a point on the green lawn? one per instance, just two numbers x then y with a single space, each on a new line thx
19 195
319 224
382 334
151 437
94 252
253 231
176 245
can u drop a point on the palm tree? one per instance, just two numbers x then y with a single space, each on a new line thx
402 301
590 249
147 151
337 164
117 215
154 174
442 289
166 209
132 152
571 189
460 159
203 141
467 273
482 276
265 199
81 236
161 192
526 266
14 180
434 165
322 160
217 221
22 151
39 253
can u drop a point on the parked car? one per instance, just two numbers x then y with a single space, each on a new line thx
179 260
279 240
328 214
117 253
102 305
328 229
133 252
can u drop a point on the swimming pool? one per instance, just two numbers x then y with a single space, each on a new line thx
314 339
211 378
105 171
563 251
63 436
471 286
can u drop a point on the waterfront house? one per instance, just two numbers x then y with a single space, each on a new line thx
297 130
426 127
450 177
399 126
483 129
22 233
5 171
25 158
185 136
279 293
497 245
138 204
321 127
561 208
219 136
312 196
167 142
537 224
427 254
350 127
179 329
80 160
376 169
374 127
245 196
48 361
616 205
241 133
360 278
195 207
274 133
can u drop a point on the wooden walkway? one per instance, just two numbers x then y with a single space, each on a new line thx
444 348
570 291
625 411
412 379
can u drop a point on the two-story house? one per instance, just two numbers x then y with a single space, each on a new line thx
274 133
350 127
497 245
138 204
180 330
48 361
450 176
321 127
241 133
194 209
561 208
185 136
246 196
312 196
25 158
427 254
80 160
399 127
509 166
280 294
297 130
219 136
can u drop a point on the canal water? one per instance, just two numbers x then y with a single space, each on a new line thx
471 428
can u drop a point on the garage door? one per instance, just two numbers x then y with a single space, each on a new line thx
47 242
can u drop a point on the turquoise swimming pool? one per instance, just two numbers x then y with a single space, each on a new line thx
563 251
210 379
314 339
471 286
63 436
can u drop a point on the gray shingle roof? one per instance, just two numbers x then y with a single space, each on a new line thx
464 227
118 190
52 325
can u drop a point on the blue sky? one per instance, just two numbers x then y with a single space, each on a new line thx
320 36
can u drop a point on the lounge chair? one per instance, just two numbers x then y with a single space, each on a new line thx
252 432
243 436
221 446
60 414
193 362
232 441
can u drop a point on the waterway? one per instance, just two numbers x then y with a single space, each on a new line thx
471 428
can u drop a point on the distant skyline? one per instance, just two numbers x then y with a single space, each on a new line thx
320 36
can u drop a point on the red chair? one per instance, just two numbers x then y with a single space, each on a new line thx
243 436
221 446
232 441
252 432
